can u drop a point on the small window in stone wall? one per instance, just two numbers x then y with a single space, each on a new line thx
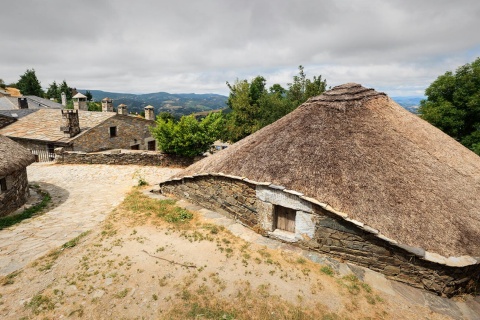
3 184
284 218
113 132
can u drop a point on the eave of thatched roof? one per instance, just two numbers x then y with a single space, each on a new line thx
13 156
360 153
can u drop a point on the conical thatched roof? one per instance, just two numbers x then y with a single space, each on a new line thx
360 152
13 156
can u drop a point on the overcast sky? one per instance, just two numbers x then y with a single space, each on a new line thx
177 46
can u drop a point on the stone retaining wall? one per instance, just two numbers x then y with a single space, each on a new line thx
123 157
231 197
16 194
333 234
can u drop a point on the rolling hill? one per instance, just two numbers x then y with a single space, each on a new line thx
177 104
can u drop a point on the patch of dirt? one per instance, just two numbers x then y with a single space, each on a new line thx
138 266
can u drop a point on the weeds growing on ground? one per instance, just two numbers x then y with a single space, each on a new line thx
8 221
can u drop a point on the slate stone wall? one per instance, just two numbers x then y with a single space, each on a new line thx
123 157
16 194
130 131
333 235
234 198
343 240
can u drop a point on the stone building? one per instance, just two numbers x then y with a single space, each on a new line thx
14 160
353 175
122 109
77 130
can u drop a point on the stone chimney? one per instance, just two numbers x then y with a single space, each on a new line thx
80 102
64 99
71 124
22 103
107 105
122 109
149 113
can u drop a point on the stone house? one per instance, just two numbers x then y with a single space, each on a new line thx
78 130
353 175
14 160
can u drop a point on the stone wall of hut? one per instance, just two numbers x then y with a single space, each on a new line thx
322 231
234 198
16 194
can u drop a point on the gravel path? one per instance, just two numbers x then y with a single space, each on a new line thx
82 196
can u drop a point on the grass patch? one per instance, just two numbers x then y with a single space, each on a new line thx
35 210
10 278
327 270
72 243
40 303
142 206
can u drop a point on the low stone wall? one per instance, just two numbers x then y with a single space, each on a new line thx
333 235
123 157
16 194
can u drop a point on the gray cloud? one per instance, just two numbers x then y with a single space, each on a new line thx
195 46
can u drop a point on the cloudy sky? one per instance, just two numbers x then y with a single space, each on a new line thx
143 46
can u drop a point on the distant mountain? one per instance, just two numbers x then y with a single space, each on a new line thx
177 103
410 103
187 103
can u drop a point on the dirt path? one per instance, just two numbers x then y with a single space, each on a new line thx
82 195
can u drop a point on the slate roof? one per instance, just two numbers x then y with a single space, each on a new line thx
35 102
45 125
18 113
8 103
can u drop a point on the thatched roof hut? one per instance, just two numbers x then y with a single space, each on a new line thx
13 156
362 154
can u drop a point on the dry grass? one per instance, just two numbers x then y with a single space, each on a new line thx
140 265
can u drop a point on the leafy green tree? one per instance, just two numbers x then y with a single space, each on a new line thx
253 107
2 84
166 116
65 88
29 84
187 137
453 104
89 96
94 106
52 91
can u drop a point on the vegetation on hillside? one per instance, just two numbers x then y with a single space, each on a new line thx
453 104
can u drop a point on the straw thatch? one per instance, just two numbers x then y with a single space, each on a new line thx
13 156
364 155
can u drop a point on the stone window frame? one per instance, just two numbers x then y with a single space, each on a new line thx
3 185
113 131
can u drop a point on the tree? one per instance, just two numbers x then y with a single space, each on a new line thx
253 107
2 84
65 88
52 91
29 84
89 96
187 137
453 104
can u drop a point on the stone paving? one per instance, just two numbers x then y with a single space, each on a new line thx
82 194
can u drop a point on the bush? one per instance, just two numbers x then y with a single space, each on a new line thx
188 137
